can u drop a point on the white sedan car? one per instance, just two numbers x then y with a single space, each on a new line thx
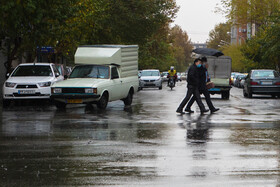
150 78
30 81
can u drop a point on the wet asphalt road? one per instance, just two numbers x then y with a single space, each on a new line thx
145 144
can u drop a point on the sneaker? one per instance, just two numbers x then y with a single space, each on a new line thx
180 111
215 110
189 110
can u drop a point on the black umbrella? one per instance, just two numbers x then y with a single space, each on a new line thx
208 52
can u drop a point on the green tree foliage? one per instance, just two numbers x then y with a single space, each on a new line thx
250 11
219 36
263 49
157 52
182 47
271 41
239 61
66 24
31 23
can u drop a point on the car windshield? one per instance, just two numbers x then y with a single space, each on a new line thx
265 74
150 73
90 71
241 76
236 75
33 70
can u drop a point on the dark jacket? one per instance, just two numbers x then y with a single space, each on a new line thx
193 76
202 78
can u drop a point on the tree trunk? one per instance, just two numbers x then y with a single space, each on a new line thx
11 54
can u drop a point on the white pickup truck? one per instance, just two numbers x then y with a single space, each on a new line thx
102 73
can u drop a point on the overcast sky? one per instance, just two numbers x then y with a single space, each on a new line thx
197 18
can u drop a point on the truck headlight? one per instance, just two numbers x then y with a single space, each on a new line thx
89 90
56 90
45 84
10 84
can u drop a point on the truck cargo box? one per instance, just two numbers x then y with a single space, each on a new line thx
219 67
125 56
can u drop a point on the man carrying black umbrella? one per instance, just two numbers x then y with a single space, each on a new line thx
193 83
202 88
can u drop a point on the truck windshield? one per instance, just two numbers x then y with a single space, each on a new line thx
90 71
33 70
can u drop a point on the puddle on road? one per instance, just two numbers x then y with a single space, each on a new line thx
132 146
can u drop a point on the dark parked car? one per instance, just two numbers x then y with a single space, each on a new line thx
265 82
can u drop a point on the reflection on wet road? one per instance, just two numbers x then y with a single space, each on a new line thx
145 144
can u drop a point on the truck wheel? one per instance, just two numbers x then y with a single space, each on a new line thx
128 99
250 95
60 105
244 93
103 101
225 95
6 103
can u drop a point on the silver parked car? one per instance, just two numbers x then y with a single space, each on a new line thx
265 82
164 76
150 78
179 77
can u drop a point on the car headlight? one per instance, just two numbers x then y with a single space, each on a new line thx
56 90
45 84
10 84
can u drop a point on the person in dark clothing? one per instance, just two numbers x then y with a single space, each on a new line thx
202 88
193 83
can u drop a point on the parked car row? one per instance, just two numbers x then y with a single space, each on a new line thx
258 81
262 82
239 79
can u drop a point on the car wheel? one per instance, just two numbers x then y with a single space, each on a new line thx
103 101
128 99
60 105
160 88
6 103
